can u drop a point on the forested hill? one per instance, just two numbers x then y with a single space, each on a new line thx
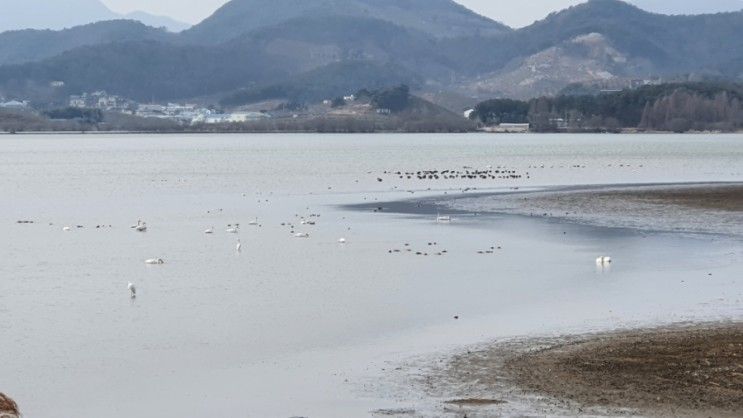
668 107
437 18
23 46
259 48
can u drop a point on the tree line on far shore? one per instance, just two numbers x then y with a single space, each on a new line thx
676 107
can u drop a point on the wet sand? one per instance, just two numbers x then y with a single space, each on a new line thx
685 370
707 208
726 197
695 371
673 371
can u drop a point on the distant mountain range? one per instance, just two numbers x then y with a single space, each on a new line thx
46 14
253 50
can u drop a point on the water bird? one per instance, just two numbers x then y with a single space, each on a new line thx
341 240
155 261
132 290
253 222
67 228
209 230
443 219
239 246
141 226
301 235
231 229
603 261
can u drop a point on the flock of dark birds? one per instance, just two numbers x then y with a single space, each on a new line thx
466 173
433 250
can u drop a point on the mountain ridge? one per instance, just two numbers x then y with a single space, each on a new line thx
29 45
606 41
444 18
24 14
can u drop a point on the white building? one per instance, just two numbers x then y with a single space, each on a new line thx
514 127
559 123
77 101
510 128
14 104
241 117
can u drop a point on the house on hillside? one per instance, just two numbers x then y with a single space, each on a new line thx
78 101
241 117
14 105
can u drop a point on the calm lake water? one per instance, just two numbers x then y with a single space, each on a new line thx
305 327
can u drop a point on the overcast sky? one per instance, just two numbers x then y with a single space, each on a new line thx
510 12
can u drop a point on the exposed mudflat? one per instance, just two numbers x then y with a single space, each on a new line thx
713 196
676 371
694 208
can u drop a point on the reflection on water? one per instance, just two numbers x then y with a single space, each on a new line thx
297 327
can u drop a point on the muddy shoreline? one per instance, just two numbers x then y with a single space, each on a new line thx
683 370
709 195
688 369
704 208
666 372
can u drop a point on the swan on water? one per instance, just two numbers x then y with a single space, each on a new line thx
301 235
209 230
239 246
132 290
155 261
140 226
603 260
253 222
231 230
67 228
341 240
443 219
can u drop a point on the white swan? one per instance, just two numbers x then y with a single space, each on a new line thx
155 261
231 230
301 235
603 261
443 219
132 290
239 246
209 230
141 226
253 222
67 228
341 240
